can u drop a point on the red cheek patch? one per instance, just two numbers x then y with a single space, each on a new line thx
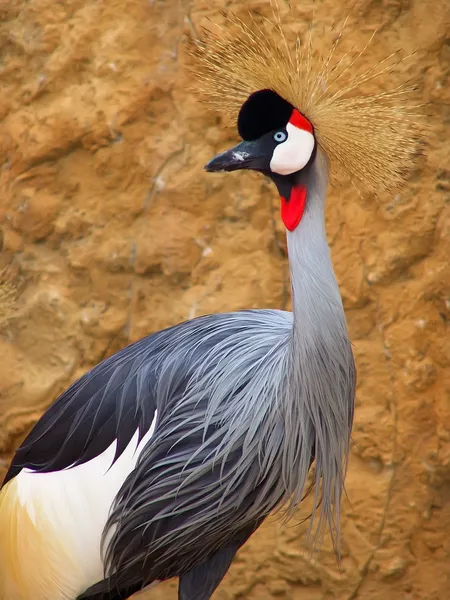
292 211
298 120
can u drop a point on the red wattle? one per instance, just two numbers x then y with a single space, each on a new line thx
292 211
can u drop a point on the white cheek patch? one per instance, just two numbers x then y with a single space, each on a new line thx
293 154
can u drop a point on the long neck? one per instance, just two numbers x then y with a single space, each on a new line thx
318 405
316 300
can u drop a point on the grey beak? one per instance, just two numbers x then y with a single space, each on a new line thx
246 155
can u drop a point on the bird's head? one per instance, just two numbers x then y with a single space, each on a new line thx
277 141
295 99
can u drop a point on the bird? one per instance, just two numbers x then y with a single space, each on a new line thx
162 460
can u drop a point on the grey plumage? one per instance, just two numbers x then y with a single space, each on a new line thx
211 467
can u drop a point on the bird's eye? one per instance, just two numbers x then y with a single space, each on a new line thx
280 136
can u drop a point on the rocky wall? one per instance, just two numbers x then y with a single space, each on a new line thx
115 231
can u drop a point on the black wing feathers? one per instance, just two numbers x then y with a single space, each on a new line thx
108 403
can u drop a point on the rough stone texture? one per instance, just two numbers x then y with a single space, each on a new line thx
115 231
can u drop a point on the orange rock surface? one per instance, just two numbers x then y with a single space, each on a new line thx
115 231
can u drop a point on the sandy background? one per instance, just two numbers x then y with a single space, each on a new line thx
114 231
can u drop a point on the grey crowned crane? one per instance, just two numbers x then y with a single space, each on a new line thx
162 460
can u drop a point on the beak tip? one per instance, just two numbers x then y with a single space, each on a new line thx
239 157
213 167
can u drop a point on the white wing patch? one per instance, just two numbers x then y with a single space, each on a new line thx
51 525
293 154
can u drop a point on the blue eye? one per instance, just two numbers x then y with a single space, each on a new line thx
280 136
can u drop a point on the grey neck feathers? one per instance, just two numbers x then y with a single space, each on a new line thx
316 300
321 376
